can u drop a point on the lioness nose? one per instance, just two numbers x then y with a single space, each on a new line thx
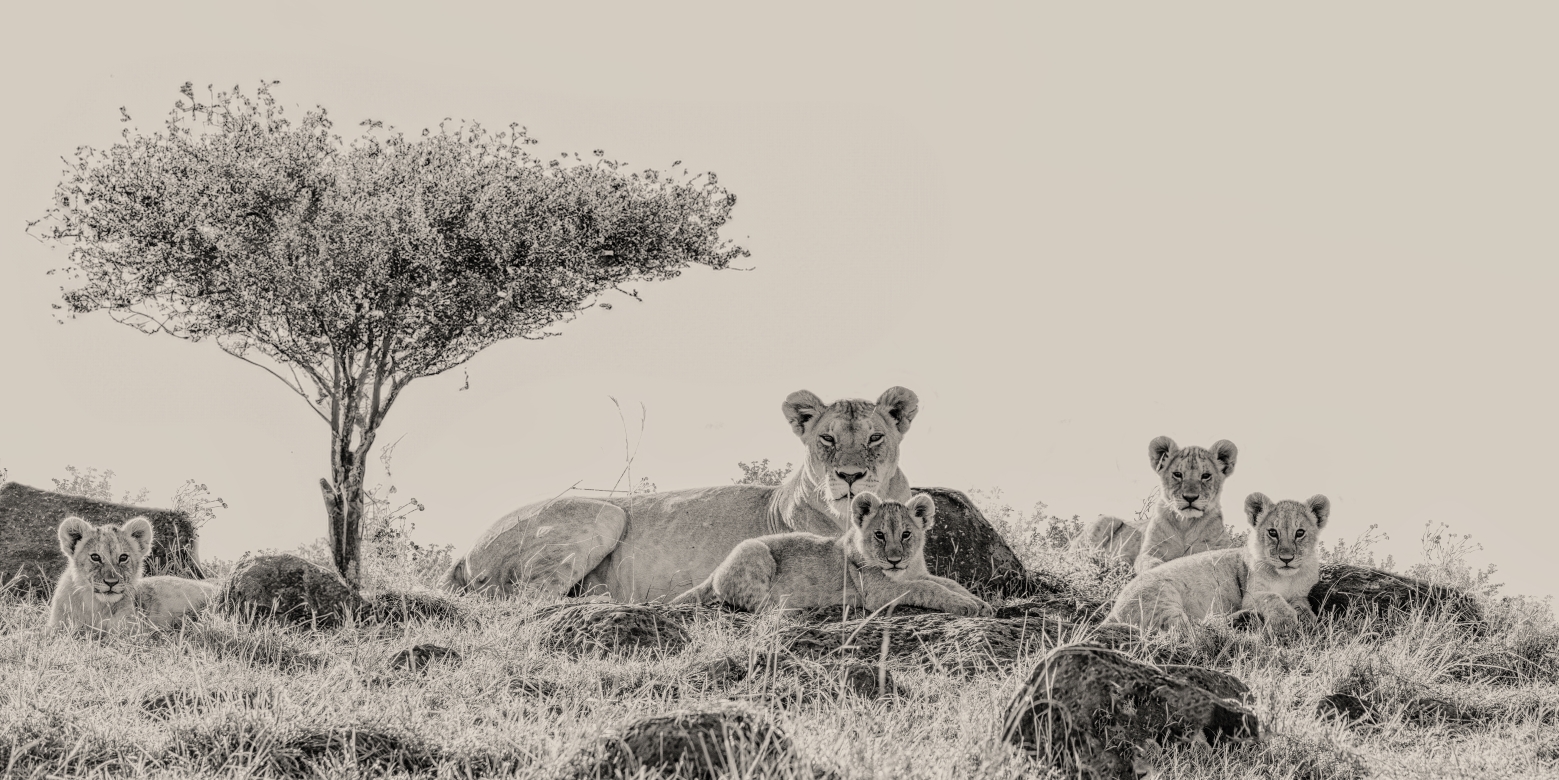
850 477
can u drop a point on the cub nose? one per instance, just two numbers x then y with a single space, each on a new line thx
850 477
1190 499
892 560
110 583
1286 558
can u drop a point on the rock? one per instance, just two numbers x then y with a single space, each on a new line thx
288 589
1348 708
30 549
1345 589
417 657
1055 606
1089 711
1220 684
963 546
608 628
703 743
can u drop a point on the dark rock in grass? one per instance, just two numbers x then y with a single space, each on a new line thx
1345 589
265 746
962 545
30 559
605 628
707 743
1088 711
1061 605
394 608
1220 684
1348 708
417 657
290 590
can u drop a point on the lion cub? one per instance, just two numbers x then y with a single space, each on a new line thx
1272 576
880 560
1187 517
104 568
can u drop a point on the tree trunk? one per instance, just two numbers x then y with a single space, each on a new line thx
344 512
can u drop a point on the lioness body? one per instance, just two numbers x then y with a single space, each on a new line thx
1271 575
880 561
1187 517
102 588
652 547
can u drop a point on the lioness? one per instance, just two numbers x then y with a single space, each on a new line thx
881 560
1271 576
1187 517
104 567
653 547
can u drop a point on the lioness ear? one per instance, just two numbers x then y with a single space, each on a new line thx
1255 504
139 532
1321 507
802 407
72 530
923 507
863 506
901 404
1225 453
1160 450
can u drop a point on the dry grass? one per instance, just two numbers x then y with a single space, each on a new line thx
224 698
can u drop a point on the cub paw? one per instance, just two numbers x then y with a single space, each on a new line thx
974 607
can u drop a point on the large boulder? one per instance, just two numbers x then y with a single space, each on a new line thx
289 590
1089 711
30 557
604 628
1345 589
963 546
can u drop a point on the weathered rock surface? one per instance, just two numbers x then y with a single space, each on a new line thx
607 628
702 743
963 546
290 590
1345 589
1088 710
417 657
30 547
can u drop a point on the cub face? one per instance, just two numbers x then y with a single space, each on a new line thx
1283 534
107 557
852 444
1191 477
889 535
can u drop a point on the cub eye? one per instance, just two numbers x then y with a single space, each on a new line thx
826 439
905 536
1300 534
879 536
876 437
1206 476
124 557
96 558
1272 532
1178 475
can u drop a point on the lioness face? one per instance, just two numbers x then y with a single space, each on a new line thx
891 536
1191 477
1284 534
108 557
852 445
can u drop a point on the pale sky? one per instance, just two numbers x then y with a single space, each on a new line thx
1326 232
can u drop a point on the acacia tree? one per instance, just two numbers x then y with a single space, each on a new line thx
349 268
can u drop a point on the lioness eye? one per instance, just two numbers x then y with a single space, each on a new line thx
1206 476
876 437
1300 534
124 557
1178 475
1272 532
827 439
96 558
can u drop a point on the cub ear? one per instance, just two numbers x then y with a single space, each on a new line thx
901 404
863 506
1225 453
802 407
139 532
72 530
1255 505
922 506
1321 507
1160 450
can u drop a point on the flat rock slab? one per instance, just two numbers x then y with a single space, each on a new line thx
30 557
1345 589
613 629
1088 711
699 743
289 590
